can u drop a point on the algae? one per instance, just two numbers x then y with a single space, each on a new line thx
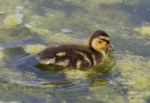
135 77
143 31
8 7
133 3
98 83
37 24
77 74
106 94
51 21
108 2
34 49
1 55
60 38
11 21
37 30
24 94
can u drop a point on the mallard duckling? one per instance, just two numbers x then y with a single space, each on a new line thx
76 56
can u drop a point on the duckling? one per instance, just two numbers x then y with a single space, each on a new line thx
78 56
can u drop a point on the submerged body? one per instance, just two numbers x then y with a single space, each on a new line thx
76 56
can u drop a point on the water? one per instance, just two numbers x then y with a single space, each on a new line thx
52 22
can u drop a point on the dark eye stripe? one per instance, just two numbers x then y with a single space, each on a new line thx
106 41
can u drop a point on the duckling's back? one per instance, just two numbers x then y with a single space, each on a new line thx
70 56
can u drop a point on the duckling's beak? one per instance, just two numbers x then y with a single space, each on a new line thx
110 48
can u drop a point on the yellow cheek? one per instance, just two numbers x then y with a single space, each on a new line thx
102 45
98 46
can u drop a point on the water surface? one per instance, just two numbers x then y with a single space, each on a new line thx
28 26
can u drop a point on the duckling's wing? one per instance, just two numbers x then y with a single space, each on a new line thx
47 56
54 55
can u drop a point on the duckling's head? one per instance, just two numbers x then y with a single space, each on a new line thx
100 41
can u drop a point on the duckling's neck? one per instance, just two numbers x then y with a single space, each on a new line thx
93 50
103 52
100 55
97 52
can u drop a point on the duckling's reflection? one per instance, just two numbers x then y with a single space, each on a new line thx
49 68
78 83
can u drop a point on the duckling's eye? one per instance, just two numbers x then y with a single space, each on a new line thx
100 42
108 42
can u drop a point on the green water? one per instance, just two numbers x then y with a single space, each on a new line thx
28 26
